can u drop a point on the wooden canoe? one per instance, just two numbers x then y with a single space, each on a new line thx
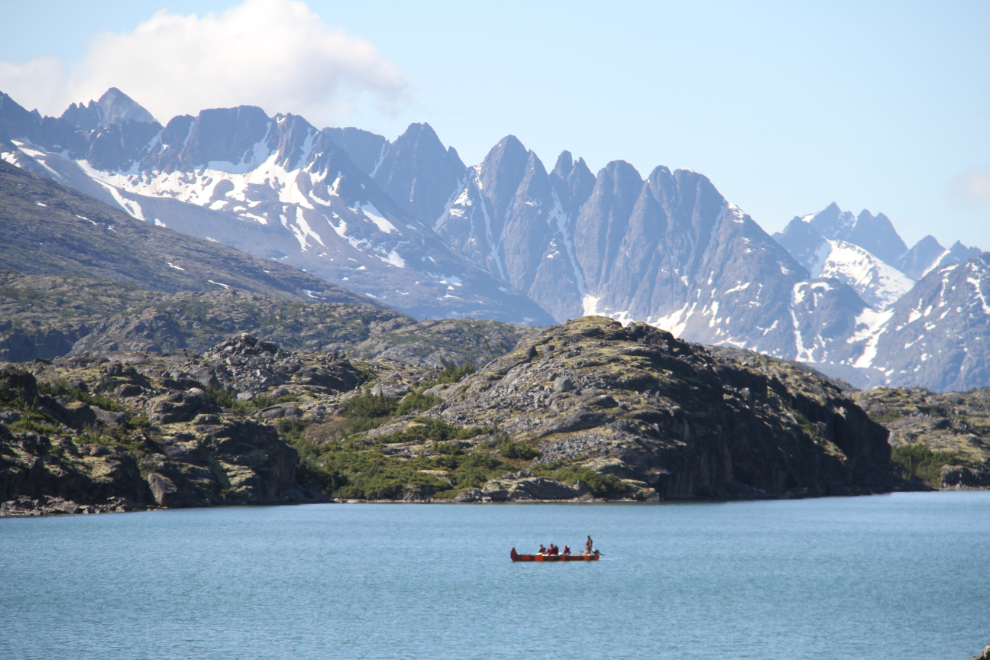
518 557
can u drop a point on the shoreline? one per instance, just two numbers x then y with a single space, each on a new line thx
54 507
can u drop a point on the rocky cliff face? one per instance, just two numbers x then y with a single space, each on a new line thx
671 417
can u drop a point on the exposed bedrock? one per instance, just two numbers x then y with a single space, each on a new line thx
650 409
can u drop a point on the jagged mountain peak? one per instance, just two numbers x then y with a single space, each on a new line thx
573 182
418 172
928 254
564 164
114 107
874 233
502 171
365 148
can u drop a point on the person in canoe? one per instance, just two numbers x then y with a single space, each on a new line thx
554 550
542 550
587 546
567 550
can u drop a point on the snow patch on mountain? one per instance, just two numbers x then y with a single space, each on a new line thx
870 324
879 284
376 217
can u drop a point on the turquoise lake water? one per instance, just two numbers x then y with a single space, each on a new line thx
886 577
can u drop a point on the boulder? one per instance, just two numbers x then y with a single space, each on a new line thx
180 406
162 488
524 486
393 391
473 495
18 385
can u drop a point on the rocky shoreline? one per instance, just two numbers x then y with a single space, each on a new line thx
589 411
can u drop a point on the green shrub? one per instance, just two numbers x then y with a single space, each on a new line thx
325 481
290 428
886 417
600 485
140 421
519 450
61 388
452 373
433 429
370 406
918 462
416 402
220 396
36 427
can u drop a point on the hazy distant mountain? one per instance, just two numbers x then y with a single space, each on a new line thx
875 234
927 254
408 223
669 250
276 187
876 281
937 333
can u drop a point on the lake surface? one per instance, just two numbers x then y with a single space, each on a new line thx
886 577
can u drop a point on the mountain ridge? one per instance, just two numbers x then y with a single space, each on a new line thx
407 222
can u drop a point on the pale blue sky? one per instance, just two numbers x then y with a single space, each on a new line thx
784 106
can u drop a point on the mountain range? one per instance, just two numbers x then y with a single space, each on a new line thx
408 223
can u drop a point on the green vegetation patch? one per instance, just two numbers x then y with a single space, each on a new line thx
887 416
517 450
918 462
417 402
428 428
62 388
452 373
600 485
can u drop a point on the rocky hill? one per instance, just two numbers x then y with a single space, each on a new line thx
941 439
587 410
48 316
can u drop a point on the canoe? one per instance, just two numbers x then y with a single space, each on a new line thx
517 557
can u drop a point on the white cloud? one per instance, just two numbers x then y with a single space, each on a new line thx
972 186
276 54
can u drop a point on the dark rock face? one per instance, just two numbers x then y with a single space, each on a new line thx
875 234
958 477
928 254
672 416
922 257
53 476
366 149
114 107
